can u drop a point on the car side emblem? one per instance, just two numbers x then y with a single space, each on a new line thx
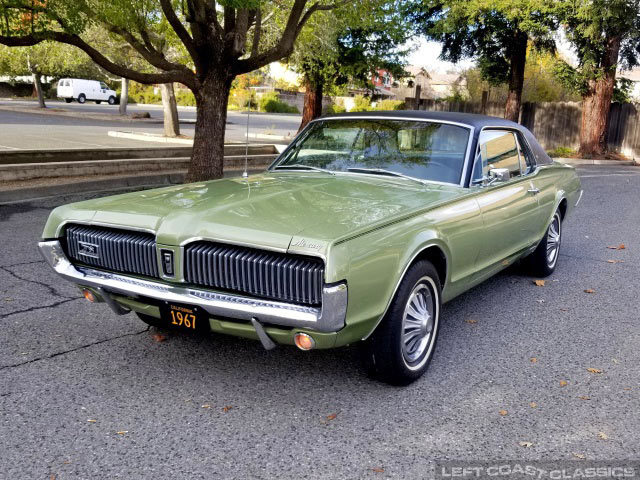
167 262
88 249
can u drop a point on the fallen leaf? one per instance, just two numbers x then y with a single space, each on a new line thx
206 405
603 436
332 416
594 370
503 413
526 444
52 476
563 383
615 360
377 469
539 283
613 261
91 420
564 309
627 388
540 300
589 290
67 462
158 337
584 397
619 247
122 432
227 408
8 299
533 360
471 321
581 456
533 404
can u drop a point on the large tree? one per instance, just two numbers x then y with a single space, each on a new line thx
606 37
222 38
496 33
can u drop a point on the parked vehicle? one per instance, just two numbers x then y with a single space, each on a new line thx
358 233
82 90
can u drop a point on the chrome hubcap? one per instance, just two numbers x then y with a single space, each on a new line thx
553 240
417 323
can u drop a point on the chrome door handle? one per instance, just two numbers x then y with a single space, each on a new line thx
533 190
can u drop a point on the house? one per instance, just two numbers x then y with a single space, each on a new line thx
433 85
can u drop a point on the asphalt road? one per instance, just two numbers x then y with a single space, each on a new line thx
29 129
73 375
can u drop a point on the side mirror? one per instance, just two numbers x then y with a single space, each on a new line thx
499 175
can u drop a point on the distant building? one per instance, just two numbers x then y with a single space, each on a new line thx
634 76
433 85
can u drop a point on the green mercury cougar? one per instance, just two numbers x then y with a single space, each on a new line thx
358 233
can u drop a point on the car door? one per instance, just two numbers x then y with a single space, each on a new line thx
509 206
104 91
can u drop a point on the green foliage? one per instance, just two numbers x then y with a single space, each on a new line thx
185 98
361 104
336 108
270 102
622 90
562 152
389 104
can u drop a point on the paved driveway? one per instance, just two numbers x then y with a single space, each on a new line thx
87 394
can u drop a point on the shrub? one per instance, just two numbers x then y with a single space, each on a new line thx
361 104
336 108
185 98
389 104
561 152
270 102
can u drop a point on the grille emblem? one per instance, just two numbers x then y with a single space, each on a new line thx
167 262
88 249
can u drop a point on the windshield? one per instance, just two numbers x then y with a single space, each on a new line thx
425 150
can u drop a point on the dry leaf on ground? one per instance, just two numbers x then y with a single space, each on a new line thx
563 383
377 469
589 290
584 397
503 412
332 416
526 444
594 370
603 435
206 405
539 283
614 261
227 408
471 321
158 337
581 456
91 420
619 247
533 360
122 432
533 404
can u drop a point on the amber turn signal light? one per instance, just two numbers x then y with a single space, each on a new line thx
89 296
304 341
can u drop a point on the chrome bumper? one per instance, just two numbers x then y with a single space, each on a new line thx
329 318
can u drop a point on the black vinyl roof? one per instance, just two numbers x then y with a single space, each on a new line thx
471 119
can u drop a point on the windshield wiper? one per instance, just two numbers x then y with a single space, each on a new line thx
382 171
300 166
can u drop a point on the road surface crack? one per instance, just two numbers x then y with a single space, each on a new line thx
81 347
46 286
34 309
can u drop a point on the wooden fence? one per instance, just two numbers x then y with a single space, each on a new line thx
556 124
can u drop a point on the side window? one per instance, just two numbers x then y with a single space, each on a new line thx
497 149
527 162
103 85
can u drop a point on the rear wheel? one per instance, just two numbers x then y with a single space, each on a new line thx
400 349
542 262
82 98
68 100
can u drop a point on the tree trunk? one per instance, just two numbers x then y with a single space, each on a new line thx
516 77
37 83
597 103
171 121
124 96
208 144
312 102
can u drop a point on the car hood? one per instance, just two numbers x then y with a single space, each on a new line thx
278 210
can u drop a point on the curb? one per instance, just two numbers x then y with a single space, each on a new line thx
149 137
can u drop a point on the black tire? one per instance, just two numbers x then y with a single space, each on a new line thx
98 102
82 98
112 100
387 353
68 100
151 321
542 262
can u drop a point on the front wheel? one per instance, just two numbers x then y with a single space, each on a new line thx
112 100
542 262
400 349
82 98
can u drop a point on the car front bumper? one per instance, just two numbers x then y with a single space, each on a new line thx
330 317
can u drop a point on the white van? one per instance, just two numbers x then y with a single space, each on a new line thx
82 90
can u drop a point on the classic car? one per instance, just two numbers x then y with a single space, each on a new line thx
357 233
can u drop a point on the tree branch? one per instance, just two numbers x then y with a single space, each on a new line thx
182 33
180 76
257 31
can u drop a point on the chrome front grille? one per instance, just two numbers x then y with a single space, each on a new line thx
256 272
117 250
